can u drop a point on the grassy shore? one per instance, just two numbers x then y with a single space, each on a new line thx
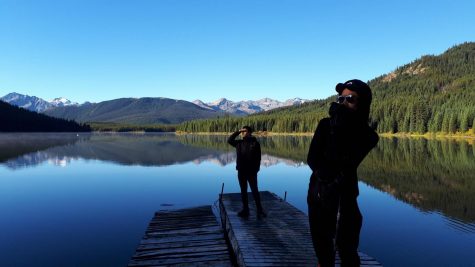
458 135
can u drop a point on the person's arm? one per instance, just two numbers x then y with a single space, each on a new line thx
315 152
365 148
232 139
258 152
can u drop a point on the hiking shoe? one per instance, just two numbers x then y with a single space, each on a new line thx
261 214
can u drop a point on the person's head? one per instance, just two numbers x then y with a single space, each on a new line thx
246 131
356 96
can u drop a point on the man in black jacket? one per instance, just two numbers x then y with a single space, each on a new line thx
248 163
339 145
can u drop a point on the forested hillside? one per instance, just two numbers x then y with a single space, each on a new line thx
15 119
432 94
134 111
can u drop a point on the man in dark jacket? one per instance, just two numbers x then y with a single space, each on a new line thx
248 163
339 145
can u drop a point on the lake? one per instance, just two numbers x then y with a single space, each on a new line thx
86 200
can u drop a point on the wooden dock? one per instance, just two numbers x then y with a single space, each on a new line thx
280 239
193 237
187 237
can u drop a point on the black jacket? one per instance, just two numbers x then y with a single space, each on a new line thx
248 152
336 151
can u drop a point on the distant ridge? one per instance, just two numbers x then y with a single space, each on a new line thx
146 110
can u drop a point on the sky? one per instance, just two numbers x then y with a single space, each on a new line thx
208 49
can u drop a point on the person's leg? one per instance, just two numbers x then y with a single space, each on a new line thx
348 231
245 202
322 218
252 179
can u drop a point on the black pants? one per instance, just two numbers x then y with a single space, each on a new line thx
325 202
251 178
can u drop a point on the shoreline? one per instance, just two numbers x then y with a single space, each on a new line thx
254 133
386 135
429 136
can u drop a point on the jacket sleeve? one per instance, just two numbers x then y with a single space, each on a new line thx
366 146
232 139
315 152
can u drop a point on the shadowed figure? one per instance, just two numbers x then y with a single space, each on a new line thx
338 146
248 163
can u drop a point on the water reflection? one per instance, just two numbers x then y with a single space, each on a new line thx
432 175
123 149
14 145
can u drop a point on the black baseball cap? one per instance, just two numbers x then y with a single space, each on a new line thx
364 95
358 86
353 85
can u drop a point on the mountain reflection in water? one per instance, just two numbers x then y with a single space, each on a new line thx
432 175
124 149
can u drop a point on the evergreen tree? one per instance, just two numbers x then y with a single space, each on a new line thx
431 94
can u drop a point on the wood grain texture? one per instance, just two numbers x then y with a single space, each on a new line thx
280 239
187 237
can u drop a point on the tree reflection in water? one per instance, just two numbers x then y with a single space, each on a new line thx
432 175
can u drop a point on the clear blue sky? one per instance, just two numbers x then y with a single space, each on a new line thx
207 49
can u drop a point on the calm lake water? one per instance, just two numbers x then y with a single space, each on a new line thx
68 200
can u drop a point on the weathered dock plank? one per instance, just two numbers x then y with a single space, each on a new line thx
187 237
280 239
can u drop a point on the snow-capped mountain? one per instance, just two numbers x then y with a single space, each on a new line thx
295 101
248 106
34 103
61 102
202 104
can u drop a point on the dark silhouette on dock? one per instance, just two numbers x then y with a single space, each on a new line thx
339 145
248 163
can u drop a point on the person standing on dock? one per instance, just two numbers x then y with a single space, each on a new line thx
339 145
248 163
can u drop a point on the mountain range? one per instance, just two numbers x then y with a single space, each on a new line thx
248 106
244 107
146 110
34 103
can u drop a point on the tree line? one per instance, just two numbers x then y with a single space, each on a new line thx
433 94
16 119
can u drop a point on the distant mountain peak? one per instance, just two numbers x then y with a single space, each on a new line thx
62 101
34 103
219 102
202 104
